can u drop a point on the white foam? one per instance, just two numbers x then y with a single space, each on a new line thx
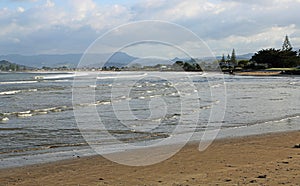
61 80
25 112
31 90
215 86
24 115
59 76
10 92
4 119
17 82
42 112
121 76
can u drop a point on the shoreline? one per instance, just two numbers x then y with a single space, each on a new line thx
259 73
266 158
223 134
248 73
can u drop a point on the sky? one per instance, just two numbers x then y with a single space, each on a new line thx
31 27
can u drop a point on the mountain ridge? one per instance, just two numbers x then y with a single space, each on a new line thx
118 59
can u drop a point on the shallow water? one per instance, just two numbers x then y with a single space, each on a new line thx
135 107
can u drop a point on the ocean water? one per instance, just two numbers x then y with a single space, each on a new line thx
42 114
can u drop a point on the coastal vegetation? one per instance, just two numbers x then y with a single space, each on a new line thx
285 60
8 66
278 58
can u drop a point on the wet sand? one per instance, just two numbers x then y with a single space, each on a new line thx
268 159
258 73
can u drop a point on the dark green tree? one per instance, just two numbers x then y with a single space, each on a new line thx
197 67
243 63
178 65
267 56
228 58
186 66
276 58
12 67
289 58
286 44
233 57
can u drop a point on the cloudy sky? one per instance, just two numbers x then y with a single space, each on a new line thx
70 26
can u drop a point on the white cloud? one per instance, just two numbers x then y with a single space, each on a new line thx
50 4
82 8
192 9
225 24
269 38
109 17
20 9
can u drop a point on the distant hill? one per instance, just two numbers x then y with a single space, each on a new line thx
119 59
245 56
6 66
240 57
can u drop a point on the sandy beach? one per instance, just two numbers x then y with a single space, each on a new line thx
259 73
268 159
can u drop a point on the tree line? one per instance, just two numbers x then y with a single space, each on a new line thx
278 58
7 66
285 57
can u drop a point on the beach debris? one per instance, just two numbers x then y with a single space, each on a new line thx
228 165
253 181
228 180
297 146
262 176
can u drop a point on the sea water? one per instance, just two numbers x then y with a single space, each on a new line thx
38 122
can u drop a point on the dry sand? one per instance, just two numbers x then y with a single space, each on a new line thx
268 159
